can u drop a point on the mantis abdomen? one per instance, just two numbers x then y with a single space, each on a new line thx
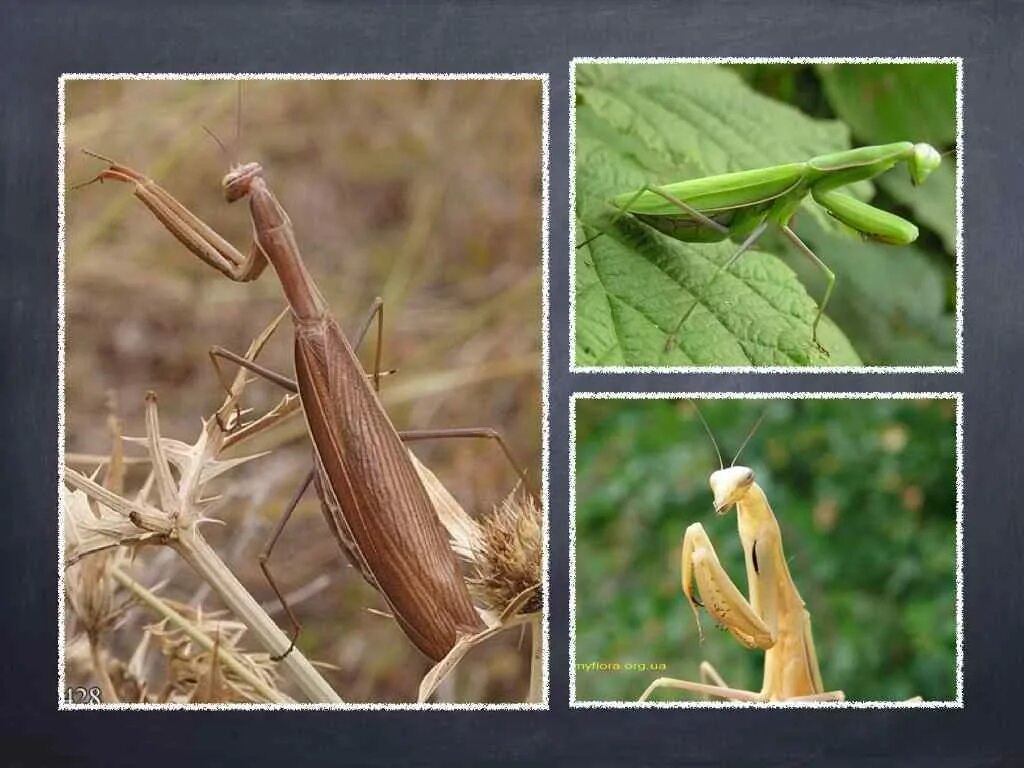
372 496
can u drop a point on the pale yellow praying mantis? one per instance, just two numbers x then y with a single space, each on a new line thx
774 619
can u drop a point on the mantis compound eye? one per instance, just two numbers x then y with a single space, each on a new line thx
925 160
238 180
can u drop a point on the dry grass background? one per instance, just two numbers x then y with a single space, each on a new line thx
425 193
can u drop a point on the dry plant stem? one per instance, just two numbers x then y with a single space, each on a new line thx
464 645
201 638
536 661
192 547
175 522
198 554
99 668
99 460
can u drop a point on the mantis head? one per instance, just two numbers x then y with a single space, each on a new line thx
237 181
729 486
925 159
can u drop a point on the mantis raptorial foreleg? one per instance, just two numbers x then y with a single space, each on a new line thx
191 231
723 600
719 596
734 613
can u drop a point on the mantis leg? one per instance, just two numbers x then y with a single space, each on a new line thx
747 244
717 687
289 385
689 210
411 435
722 692
264 561
708 674
825 696
376 310
189 229
270 375
829 276
719 594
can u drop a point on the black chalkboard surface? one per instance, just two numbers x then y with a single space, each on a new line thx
41 40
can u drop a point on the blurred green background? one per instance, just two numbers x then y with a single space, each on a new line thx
426 193
864 491
662 123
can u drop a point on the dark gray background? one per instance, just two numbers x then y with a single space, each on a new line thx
39 40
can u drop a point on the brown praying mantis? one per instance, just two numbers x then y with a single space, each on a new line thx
774 619
372 497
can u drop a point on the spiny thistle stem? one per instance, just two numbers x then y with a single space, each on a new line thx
200 638
197 553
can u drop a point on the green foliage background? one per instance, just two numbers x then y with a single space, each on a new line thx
642 124
864 491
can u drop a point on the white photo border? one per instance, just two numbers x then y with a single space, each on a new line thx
957 367
956 703
544 79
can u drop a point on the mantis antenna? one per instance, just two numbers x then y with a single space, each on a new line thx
227 153
238 115
721 464
750 434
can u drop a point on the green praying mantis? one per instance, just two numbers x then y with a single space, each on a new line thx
742 205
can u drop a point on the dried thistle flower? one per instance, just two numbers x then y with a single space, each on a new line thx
507 556
199 674
503 551
87 583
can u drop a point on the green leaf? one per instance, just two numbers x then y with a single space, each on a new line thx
894 102
638 124
633 286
